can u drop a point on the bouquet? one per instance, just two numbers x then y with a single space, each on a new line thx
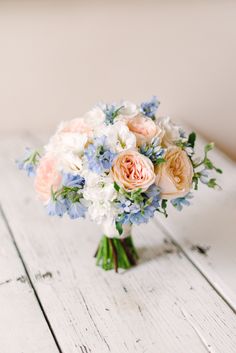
119 164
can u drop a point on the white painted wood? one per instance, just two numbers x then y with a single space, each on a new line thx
210 222
164 305
22 325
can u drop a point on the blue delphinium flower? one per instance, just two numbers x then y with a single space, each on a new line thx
56 208
140 210
73 180
99 155
153 151
149 108
76 210
29 161
179 202
111 111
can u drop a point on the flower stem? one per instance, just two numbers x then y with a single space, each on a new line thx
114 253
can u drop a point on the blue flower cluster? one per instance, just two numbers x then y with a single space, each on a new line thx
110 111
29 161
149 108
139 208
179 202
68 199
153 151
99 155
73 180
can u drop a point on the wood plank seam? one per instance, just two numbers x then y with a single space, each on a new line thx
169 236
29 278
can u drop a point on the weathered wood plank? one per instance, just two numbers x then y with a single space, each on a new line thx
211 224
162 305
22 324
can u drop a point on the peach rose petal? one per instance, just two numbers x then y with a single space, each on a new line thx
131 170
174 177
47 177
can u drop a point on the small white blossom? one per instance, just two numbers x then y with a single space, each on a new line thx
171 131
119 137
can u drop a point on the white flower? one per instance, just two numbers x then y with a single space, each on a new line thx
119 137
100 192
68 149
171 131
95 117
129 109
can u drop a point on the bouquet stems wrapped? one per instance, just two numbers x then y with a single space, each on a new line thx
113 253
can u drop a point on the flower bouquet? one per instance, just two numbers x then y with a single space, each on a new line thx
119 164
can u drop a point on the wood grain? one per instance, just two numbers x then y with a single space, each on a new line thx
163 305
20 311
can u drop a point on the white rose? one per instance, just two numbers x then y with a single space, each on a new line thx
67 148
95 117
171 131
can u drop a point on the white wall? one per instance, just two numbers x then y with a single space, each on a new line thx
59 58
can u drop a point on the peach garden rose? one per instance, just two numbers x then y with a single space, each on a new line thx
47 177
131 170
144 129
174 176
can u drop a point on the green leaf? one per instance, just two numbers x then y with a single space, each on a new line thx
192 139
212 183
164 204
164 207
119 227
218 170
208 164
209 147
195 182
159 161
116 112
116 187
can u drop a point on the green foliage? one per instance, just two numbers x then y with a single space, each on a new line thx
163 208
159 161
33 158
207 164
191 139
119 227
116 187
212 183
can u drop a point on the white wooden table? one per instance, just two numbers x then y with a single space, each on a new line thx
54 299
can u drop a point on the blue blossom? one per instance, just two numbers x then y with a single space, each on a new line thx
179 202
76 210
56 208
110 111
137 212
182 133
204 176
99 155
29 161
153 150
149 108
73 180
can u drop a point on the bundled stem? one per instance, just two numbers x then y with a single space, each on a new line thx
114 253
